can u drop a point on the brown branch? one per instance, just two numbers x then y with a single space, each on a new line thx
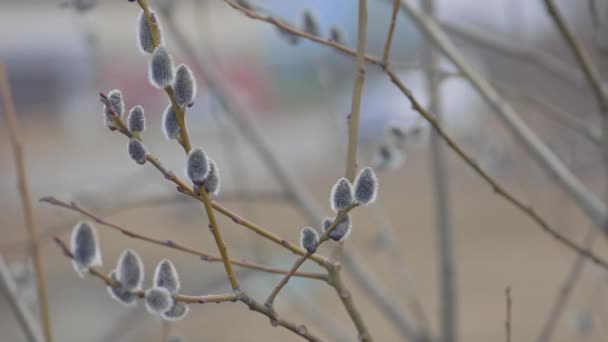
16 142
519 204
174 244
353 127
391 31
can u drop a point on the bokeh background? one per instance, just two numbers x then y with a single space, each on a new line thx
59 58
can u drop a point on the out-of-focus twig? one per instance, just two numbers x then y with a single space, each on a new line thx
23 314
443 223
15 138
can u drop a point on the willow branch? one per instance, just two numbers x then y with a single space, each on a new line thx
391 31
16 142
353 128
23 314
226 297
586 200
173 244
180 112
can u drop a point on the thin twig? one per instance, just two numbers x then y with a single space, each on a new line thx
15 138
589 70
586 200
174 244
353 127
566 288
24 316
508 319
445 241
391 31
46 234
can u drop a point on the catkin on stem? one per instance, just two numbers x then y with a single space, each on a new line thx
309 239
341 195
366 186
130 270
165 275
161 68
184 86
84 247
158 300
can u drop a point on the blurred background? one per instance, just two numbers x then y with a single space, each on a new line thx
60 55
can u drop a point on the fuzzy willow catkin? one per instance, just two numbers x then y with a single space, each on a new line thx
342 229
136 122
212 181
184 86
336 35
119 294
341 195
117 107
366 186
144 35
130 270
84 247
197 166
137 151
178 311
161 68
311 24
170 124
165 275
158 300
309 239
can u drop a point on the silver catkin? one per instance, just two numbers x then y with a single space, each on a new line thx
197 166
178 311
136 121
119 294
170 124
158 300
144 35
388 157
83 5
84 247
165 275
212 181
326 223
310 23
288 36
342 229
337 35
137 151
309 239
161 68
184 86
341 195
366 186
130 270
117 104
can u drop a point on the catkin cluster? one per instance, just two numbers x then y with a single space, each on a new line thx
128 276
